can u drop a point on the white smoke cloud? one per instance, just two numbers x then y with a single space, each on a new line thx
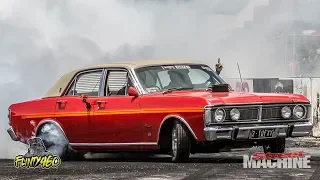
42 39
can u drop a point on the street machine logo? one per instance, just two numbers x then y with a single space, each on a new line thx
277 160
37 156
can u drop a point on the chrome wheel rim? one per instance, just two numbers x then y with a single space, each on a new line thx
174 142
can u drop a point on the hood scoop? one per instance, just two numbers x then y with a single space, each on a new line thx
220 88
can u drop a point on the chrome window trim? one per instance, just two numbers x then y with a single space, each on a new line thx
75 78
102 84
131 75
106 78
138 83
70 87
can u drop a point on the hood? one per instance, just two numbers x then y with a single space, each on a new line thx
242 97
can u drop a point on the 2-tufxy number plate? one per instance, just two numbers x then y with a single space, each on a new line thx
261 133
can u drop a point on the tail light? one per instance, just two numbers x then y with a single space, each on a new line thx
9 116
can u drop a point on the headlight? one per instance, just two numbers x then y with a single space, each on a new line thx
286 112
235 114
207 116
219 115
298 112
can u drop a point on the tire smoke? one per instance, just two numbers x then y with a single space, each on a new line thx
40 40
52 135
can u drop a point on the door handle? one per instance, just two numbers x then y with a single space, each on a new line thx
62 103
101 104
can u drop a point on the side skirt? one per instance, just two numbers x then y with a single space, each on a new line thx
115 147
116 144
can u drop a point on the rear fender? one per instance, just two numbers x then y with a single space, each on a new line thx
50 121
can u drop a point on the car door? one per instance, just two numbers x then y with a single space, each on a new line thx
117 116
72 113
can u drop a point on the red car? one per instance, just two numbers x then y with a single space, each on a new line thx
174 107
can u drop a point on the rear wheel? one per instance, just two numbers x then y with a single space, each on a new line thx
56 143
275 146
180 143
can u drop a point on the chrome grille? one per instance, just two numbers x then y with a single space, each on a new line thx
252 112
271 113
246 114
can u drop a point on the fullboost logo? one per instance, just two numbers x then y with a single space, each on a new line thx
37 156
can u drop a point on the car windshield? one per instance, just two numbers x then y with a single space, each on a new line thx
177 77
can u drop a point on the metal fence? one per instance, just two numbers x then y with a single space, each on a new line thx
307 86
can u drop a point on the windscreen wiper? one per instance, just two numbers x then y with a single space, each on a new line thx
176 89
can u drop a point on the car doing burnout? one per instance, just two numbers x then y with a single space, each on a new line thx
171 107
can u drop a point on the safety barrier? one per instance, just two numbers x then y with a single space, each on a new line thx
307 86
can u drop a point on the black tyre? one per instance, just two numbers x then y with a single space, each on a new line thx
275 146
181 143
56 143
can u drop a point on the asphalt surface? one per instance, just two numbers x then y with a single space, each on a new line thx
225 165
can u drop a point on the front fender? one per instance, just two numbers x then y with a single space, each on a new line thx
193 123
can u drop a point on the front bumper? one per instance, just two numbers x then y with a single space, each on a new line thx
242 132
12 134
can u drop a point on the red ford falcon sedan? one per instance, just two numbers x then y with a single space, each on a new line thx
170 107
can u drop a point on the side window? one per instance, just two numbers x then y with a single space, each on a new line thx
117 83
87 83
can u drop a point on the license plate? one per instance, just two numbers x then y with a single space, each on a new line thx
261 133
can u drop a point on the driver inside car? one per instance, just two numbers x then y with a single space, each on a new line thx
177 80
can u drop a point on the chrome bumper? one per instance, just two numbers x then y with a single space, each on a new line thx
12 134
241 133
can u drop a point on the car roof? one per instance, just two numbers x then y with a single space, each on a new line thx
141 63
61 84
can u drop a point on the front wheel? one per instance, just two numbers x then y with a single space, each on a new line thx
180 143
275 146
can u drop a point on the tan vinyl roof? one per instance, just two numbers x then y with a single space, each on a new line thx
61 84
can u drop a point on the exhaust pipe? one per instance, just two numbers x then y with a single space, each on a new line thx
12 134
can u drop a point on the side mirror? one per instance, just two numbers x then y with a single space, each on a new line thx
133 92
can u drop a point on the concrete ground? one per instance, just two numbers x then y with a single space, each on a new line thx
224 165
